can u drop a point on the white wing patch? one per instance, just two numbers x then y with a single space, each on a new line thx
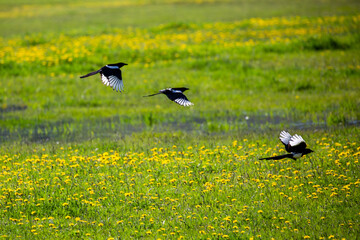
176 91
296 140
285 137
112 67
113 81
183 102
104 80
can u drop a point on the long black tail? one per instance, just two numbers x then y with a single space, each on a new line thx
277 157
151 95
90 74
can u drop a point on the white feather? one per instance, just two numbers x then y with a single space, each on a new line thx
183 102
114 82
296 140
104 79
285 137
121 85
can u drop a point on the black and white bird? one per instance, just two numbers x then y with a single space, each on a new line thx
110 75
176 95
294 145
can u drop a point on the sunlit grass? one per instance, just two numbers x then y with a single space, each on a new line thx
81 161
296 68
191 191
169 42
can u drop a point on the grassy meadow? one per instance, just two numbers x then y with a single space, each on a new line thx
79 160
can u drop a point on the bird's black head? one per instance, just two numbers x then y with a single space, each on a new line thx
307 151
118 64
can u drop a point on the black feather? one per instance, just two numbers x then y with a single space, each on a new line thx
90 74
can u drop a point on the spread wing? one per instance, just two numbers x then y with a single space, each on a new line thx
179 98
112 77
285 137
297 144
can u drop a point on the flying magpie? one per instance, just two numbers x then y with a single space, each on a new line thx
110 75
294 145
176 95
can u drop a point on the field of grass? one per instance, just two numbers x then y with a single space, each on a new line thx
79 160
187 191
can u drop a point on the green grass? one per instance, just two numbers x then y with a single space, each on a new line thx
190 190
96 17
79 160
297 78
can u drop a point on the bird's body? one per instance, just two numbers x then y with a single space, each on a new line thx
110 76
294 145
176 95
